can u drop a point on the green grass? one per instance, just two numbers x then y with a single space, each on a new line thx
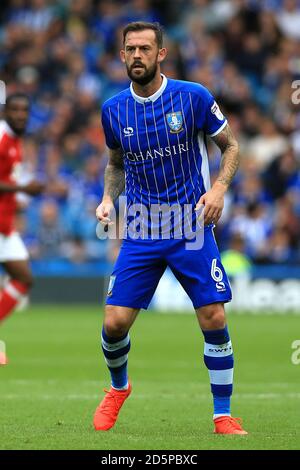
56 374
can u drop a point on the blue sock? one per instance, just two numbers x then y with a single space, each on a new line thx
115 352
218 358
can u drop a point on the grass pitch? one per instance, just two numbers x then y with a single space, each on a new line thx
54 381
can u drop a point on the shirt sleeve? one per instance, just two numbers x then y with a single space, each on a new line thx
213 120
111 140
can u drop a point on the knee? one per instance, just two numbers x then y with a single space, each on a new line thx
114 324
213 317
114 327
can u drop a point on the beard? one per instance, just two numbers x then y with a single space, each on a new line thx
145 78
18 131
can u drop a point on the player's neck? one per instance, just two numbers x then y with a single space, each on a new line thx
148 90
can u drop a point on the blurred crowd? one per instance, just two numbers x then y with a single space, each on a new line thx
65 55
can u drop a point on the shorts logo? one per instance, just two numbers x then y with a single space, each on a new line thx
220 286
217 112
175 121
111 285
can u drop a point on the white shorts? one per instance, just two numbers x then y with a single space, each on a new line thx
12 248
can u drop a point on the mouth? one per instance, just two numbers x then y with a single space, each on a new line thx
137 67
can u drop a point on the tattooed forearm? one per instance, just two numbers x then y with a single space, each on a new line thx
228 145
114 176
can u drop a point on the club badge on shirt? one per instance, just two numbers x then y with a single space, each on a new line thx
175 121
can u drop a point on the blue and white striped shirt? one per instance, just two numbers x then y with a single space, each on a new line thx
163 141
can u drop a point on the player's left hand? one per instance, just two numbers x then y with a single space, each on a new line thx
213 202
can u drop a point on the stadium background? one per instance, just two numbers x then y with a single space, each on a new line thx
64 55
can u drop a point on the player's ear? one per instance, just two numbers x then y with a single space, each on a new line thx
122 56
162 53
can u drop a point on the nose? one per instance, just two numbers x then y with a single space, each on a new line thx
21 115
137 54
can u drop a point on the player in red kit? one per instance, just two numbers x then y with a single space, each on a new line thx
13 253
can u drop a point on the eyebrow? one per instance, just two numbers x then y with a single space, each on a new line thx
14 106
137 45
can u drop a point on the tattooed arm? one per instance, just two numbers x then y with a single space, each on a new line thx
213 200
230 155
114 176
114 183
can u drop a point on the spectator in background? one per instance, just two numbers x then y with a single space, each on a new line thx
281 174
234 259
279 249
268 145
254 226
288 19
50 232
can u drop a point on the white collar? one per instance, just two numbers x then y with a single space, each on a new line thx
155 96
5 127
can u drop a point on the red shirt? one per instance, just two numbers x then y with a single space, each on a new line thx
10 159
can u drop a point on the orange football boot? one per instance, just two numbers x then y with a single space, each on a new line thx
107 412
3 359
228 425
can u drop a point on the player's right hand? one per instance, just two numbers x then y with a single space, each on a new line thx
33 188
104 211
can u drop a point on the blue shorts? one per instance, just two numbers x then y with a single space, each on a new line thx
141 263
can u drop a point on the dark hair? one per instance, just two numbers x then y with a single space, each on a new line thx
141 26
16 96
